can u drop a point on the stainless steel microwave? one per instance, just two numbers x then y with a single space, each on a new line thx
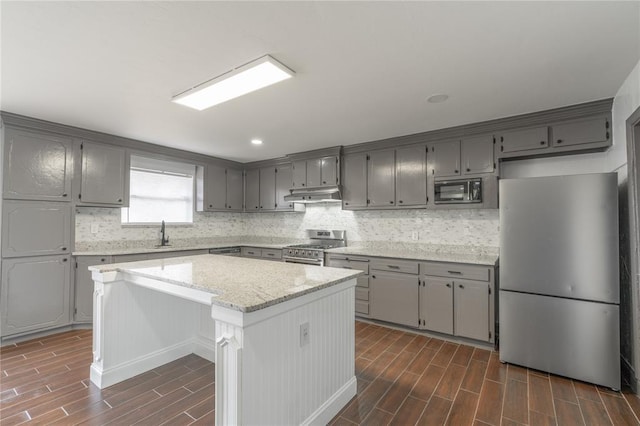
458 191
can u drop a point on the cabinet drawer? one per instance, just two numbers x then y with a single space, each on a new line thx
272 254
362 307
350 264
251 252
395 265
455 270
362 281
362 293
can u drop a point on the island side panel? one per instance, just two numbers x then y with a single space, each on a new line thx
280 379
137 329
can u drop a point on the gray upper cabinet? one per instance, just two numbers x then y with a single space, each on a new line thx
252 190
354 181
299 174
472 309
35 228
524 140
104 175
284 180
234 190
381 178
580 132
267 188
34 294
83 310
411 176
215 187
477 155
445 159
329 171
316 172
37 166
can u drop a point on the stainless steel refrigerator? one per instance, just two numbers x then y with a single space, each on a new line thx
559 282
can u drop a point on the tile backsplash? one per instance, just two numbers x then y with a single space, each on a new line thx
451 227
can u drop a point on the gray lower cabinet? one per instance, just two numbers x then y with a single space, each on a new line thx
471 306
83 310
35 294
362 290
436 305
381 179
354 181
477 155
251 252
35 228
271 254
252 190
411 176
394 297
104 173
37 166
445 159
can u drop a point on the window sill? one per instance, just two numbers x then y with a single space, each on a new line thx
157 225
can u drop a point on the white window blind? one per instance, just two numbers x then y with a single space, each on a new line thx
159 190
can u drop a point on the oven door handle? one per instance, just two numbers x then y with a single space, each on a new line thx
303 261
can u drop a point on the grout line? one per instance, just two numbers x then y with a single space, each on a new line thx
189 415
28 415
65 411
47 386
624 396
158 393
108 405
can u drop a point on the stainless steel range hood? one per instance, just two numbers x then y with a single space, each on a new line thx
315 195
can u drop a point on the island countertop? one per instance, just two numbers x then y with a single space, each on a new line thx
237 283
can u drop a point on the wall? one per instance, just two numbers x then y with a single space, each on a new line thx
451 227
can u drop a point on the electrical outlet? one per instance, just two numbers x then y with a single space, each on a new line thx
304 334
94 228
415 235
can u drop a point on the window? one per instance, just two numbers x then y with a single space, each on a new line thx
159 190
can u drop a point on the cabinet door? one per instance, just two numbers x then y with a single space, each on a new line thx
329 171
252 191
446 159
37 166
524 140
471 305
580 132
393 297
436 305
35 293
83 309
215 190
35 228
268 188
299 174
354 181
103 175
381 179
411 176
234 190
283 184
313 173
477 155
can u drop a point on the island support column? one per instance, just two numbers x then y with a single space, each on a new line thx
290 363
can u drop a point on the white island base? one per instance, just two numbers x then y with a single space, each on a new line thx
266 374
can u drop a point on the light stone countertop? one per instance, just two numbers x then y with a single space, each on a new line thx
438 253
117 251
241 284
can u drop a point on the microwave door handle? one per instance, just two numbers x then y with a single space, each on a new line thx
468 195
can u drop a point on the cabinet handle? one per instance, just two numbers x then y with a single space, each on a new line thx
64 195
119 200
455 272
256 207
65 259
393 266
303 184
461 286
400 201
229 206
324 182
390 202
542 142
373 276
456 171
347 267
346 204
559 141
448 285
210 205
260 206
103 259
468 169
64 249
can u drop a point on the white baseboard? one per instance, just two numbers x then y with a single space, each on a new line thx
205 348
332 406
113 375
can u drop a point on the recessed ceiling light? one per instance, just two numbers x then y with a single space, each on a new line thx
256 141
239 81
436 99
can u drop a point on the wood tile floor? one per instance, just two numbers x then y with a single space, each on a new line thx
403 379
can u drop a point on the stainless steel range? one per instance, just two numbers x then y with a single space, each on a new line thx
312 253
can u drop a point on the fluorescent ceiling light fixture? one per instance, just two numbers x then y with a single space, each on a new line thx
244 79
256 141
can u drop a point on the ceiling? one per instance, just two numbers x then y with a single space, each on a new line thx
364 70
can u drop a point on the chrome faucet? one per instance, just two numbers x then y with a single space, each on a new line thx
164 241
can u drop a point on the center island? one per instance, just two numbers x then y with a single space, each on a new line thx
281 335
